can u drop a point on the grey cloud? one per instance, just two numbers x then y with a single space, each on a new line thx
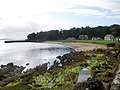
106 8
20 32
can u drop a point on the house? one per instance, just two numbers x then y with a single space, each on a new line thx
117 38
83 37
96 38
109 37
71 38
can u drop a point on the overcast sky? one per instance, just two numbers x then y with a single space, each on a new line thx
21 17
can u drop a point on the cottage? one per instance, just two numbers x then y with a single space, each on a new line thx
109 37
83 37
71 38
117 38
96 38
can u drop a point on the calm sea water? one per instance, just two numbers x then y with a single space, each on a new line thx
32 53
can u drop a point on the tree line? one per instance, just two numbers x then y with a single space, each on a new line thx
99 31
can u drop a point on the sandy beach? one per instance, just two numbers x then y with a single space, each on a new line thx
82 46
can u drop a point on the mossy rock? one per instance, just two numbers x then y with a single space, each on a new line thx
90 84
118 57
6 81
17 87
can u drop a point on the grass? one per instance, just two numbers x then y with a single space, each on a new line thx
105 42
62 78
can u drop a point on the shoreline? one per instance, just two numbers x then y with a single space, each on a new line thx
77 46
81 46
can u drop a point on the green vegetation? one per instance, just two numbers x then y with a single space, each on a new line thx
102 67
105 42
64 78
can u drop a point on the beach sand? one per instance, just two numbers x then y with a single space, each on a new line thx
82 46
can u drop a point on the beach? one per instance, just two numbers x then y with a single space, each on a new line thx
82 46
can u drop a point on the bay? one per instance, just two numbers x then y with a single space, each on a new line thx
32 53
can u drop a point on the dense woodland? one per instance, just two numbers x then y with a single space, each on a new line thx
99 31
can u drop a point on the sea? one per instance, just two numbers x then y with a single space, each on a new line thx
29 52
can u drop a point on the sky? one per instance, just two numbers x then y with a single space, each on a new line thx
18 18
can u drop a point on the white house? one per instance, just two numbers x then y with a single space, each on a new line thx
96 38
109 37
71 38
83 37
117 38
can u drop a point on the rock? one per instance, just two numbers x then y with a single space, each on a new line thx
58 57
117 79
90 84
69 76
10 64
115 87
118 57
10 69
116 82
27 64
2 66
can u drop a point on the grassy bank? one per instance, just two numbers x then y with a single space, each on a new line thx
104 42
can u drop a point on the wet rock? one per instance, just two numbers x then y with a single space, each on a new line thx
69 76
27 64
26 79
9 70
115 87
41 68
10 64
116 81
58 57
90 84
2 66
107 85
6 81
118 57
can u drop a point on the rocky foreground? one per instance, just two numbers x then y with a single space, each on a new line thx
101 67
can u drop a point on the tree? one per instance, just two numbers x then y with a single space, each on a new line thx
99 31
31 37
115 30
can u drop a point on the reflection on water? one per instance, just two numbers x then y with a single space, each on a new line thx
33 53
83 75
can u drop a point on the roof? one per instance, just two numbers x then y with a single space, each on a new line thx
109 35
